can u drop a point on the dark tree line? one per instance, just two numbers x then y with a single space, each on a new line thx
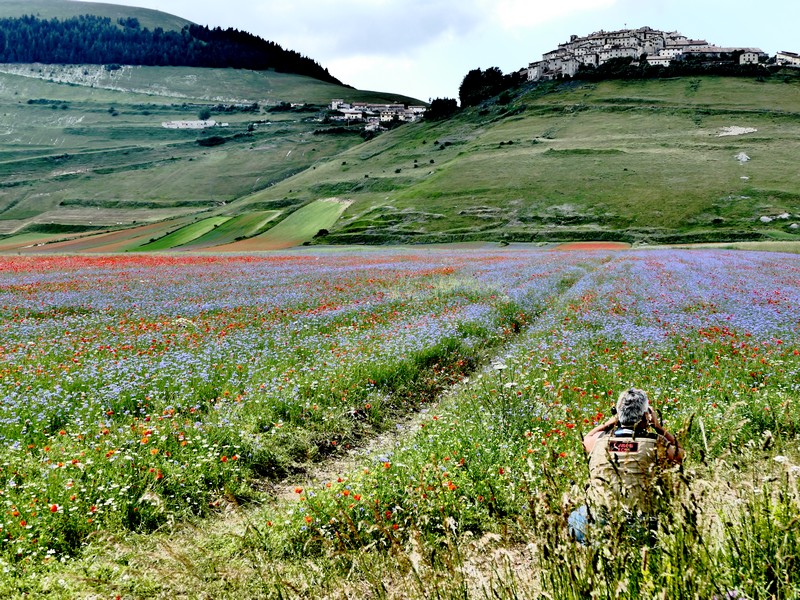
479 85
441 108
90 39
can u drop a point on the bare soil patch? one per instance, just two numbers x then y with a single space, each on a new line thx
735 130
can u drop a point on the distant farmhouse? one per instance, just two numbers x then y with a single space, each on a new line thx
374 115
658 48
788 59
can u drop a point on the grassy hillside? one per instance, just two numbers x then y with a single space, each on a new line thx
64 9
83 146
187 84
636 161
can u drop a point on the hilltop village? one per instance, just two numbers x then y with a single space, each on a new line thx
644 45
657 48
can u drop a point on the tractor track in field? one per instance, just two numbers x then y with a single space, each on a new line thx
333 467
339 466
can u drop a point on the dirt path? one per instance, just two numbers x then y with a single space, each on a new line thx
343 465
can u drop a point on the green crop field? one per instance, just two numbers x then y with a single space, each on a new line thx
235 228
26 240
184 235
300 226
98 242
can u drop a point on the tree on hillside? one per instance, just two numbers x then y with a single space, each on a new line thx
131 22
479 85
469 92
441 108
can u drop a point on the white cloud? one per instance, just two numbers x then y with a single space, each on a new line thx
521 14
421 48
372 72
382 27
339 28
413 74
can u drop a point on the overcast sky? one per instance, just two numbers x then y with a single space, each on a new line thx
423 48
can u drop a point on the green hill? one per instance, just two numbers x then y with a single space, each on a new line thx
637 161
84 146
65 9
643 161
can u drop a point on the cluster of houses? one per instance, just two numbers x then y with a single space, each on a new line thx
374 115
658 48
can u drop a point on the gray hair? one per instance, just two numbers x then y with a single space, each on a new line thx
632 406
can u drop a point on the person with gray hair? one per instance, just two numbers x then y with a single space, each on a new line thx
626 454
632 405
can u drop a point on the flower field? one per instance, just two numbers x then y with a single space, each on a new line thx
138 391
713 338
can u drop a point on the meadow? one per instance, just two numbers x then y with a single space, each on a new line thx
186 426
46 9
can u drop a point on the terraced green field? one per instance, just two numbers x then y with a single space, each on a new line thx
243 226
299 227
184 235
